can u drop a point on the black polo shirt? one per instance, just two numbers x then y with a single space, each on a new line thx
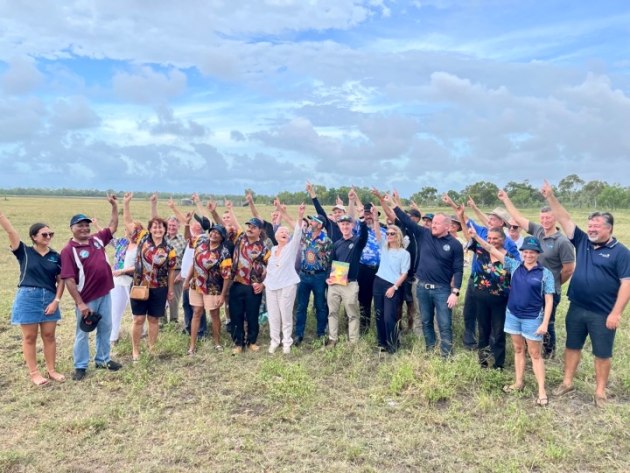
37 270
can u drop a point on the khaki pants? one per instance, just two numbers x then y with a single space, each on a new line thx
349 295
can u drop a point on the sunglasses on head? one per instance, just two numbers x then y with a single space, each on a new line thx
390 233
47 235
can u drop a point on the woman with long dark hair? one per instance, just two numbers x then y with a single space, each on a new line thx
36 305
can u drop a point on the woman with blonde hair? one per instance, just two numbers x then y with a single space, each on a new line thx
392 272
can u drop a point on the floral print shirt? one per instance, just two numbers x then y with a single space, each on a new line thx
249 261
489 276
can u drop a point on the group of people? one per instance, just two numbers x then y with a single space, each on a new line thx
346 257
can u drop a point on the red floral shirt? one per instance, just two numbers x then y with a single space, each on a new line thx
249 261
210 267
153 262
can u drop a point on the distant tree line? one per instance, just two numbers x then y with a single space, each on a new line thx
571 190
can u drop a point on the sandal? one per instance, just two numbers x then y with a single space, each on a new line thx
512 388
600 401
562 390
38 379
542 402
191 352
56 376
218 348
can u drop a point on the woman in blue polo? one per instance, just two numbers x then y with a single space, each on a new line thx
528 310
36 305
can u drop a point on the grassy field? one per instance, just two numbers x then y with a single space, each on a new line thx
350 409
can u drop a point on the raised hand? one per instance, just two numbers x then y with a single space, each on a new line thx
111 198
153 198
249 197
228 204
502 195
376 193
339 201
170 203
301 210
211 205
127 197
396 197
352 195
195 198
471 203
414 205
546 190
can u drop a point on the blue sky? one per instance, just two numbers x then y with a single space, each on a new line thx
219 96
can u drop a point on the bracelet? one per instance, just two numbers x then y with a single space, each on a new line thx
57 300
395 287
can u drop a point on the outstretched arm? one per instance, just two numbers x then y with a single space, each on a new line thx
113 222
181 218
154 201
558 210
250 201
230 208
483 218
284 215
14 237
384 204
127 218
485 245
512 210
353 203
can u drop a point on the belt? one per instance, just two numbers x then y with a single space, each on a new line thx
371 266
429 286
320 271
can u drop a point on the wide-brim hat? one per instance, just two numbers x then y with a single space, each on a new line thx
502 214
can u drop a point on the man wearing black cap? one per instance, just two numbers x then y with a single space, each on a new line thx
314 269
88 277
249 264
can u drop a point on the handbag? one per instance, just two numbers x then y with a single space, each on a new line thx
139 292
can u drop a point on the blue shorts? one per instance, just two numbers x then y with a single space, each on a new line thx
524 327
581 322
29 306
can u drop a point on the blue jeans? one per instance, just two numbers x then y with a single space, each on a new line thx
317 284
102 305
433 301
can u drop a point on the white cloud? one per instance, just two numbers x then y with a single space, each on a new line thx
21 77
148 86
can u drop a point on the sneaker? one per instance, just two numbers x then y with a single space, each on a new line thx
286 350
273 348
79 374
253 347
237 350
111 365
218 348
331 343
298 341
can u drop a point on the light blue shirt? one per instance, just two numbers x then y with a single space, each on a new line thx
394 262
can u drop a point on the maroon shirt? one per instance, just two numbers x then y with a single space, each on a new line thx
98 273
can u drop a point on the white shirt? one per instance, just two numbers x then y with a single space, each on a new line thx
281 271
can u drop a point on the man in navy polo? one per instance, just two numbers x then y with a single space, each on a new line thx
599 291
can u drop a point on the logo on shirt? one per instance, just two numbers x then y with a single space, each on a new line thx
97 245
446 247
350 246
84 254
605 255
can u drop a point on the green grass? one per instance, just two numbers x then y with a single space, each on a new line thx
347 409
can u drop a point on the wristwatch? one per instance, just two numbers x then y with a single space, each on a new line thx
455 291
395 287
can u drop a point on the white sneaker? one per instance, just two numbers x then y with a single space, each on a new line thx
286 350
273 348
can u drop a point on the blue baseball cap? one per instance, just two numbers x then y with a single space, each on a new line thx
78 218
256 222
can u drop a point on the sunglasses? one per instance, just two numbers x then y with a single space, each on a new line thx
514 227
390 233
48 235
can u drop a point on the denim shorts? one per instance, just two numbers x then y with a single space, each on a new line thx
581 322
29 306
524 327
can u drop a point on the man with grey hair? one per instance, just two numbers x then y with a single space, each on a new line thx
599 292
439 273
558 256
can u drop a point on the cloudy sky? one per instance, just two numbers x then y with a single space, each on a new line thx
219 95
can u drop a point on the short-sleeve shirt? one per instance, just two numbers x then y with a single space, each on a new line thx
489 276
178 243
508 245
210 267
153 262
557 250
394 262
529 286
98 273
371 254
249 261
37 270
316 252
598 273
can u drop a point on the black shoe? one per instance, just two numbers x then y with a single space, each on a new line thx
79 374
298 341
111 365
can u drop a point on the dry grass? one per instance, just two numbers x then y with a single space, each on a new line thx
349 409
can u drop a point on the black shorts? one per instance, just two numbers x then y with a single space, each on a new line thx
154 306
581 323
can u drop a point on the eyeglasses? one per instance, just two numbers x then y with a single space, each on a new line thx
390 233
48 235
514 227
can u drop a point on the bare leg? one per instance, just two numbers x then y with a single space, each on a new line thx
571 362
538 365
136 332
50 349
194 327
154 327
602 370
519 361
216 326
29 339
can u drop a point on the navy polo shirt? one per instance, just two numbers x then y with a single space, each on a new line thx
598 273
37 270
528 288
